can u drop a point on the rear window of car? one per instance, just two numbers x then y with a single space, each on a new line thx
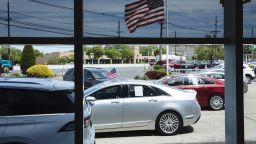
99 74
31 102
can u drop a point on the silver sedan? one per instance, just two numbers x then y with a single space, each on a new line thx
121 105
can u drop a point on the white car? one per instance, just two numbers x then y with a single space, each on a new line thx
125 105
247 71
40 111
221 76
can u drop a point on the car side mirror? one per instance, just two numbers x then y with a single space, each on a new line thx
90 99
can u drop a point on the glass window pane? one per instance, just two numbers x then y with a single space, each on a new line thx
250 19
200 18
37 18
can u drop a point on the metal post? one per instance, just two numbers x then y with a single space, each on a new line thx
9 29
78 41
167 46
175 45
161 36
234 102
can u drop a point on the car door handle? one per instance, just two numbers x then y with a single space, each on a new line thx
152 100
115 102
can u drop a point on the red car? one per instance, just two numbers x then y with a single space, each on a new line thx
210 91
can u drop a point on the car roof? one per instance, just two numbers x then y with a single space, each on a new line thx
35 83
187 75
211 72
90 69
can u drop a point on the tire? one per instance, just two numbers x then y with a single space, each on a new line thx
6 69
169 123
248 79
216 102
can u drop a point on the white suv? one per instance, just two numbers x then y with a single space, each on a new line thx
39 111
247 71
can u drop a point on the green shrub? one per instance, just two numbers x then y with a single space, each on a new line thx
156 67
145 78
137 77
15 74
155 74
161 70
40 71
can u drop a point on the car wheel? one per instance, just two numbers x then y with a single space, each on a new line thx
248 79
216 102
168 123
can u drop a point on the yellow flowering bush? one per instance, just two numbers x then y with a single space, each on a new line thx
40 71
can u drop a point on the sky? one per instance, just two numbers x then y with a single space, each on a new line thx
48 48
54 18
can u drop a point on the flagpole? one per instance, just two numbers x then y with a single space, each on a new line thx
167 46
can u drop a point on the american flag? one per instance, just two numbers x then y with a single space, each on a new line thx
112 74
143 12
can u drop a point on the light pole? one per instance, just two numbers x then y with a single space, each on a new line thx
92 56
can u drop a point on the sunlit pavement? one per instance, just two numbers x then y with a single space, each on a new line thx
209 129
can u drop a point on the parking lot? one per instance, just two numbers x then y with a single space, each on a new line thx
209 129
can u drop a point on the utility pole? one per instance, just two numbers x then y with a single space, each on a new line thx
9 28
175 44
161 36
215 31
118 30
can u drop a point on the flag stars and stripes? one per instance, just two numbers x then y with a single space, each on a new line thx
112 74
143 12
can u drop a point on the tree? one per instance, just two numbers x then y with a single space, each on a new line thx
127 54
63 60
209 53
113 54
97 52
157 51
14 55
28 58
147 50
38 53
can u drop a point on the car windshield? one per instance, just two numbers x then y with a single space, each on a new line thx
162 80
99 74
93 88
218 67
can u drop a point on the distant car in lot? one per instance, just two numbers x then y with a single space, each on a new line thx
210 91
247 71
7 65
152 62
221 76
121 105
40 111
92 76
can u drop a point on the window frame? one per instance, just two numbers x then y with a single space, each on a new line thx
233 41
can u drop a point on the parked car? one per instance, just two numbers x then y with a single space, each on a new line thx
152 62
7 65
92 76
40 111
210 91
121 105
221 76
247 71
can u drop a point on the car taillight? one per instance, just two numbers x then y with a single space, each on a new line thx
71 125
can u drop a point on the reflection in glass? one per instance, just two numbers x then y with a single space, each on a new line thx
250 19
197 18
37 18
